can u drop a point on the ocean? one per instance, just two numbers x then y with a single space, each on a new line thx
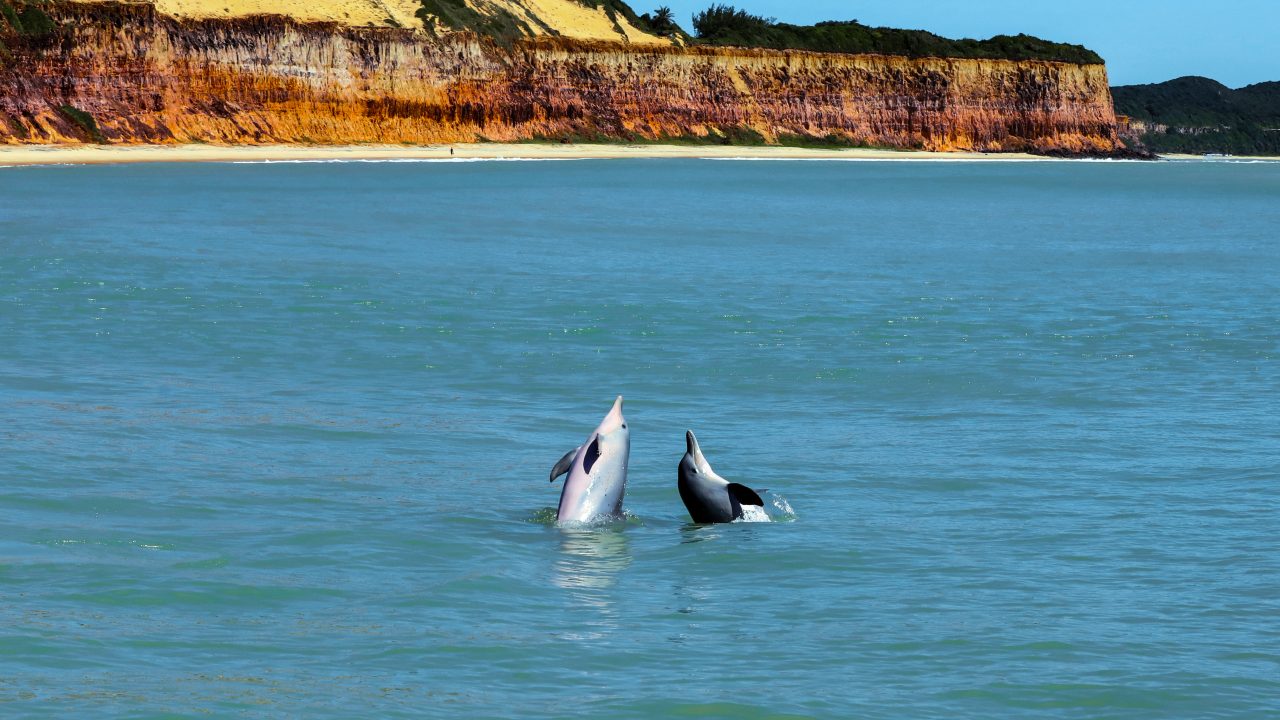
276 439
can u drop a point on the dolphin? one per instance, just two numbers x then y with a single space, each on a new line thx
597 472
709 497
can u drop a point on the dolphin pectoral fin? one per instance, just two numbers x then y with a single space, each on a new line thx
593 454
565 464
744 495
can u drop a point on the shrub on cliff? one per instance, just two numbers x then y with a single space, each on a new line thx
662 22
10 17
85 121
26 21
503 26
617 8
35 23
726 25
457 15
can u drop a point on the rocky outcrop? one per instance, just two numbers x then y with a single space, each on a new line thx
123 73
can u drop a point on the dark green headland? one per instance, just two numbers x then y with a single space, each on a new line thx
1197 115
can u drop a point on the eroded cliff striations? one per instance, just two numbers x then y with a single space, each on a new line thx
126 74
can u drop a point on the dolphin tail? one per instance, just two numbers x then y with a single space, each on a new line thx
744 495
565 464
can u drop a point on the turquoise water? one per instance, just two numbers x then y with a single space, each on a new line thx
276 439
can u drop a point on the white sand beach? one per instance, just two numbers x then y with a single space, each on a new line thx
110 154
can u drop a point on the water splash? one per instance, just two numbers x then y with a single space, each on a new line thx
785 512
753 514
778 510
543 516
597 523
547 516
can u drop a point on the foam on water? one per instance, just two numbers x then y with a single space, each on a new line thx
782 507
753 514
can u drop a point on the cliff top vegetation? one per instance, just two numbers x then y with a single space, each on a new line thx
726 25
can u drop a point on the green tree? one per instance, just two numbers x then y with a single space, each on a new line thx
662 21
725 21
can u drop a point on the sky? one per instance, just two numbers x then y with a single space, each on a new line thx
1143 41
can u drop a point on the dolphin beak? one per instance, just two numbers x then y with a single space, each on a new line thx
614 419
695 451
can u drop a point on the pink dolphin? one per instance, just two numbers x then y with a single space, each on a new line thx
597 472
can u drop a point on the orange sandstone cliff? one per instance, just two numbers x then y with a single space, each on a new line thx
126 73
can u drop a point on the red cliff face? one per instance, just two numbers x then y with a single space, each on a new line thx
147 78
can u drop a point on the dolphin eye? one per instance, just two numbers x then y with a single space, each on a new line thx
624 426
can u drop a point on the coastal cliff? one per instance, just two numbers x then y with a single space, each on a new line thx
125 73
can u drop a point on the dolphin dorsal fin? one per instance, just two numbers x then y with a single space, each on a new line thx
565 464
744 495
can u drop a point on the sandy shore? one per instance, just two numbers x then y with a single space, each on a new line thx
103 154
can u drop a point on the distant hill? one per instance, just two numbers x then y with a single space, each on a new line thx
1198 115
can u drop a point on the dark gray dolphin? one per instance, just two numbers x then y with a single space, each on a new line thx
709 497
